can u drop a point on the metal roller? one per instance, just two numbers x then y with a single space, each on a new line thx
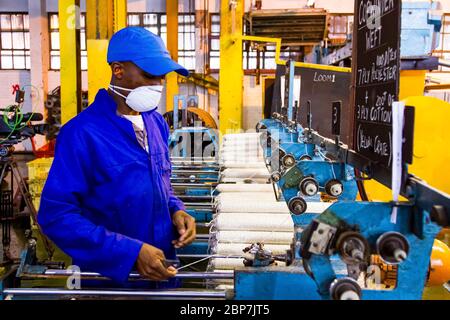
334 188
297 205
392 247
309 186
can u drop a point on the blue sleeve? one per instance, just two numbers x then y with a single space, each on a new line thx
61 219
175 204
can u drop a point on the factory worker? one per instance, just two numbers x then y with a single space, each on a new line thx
108 201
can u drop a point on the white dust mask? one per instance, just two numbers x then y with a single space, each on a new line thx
141 99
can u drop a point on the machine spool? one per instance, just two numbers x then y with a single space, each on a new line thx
353 248
334 188
392 247
309 186
288 160
345 289
297 205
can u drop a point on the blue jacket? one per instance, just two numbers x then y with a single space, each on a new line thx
105 195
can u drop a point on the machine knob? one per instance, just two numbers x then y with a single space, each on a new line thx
288 160
297 205
334 188
275 176
345 289
392 247
309 186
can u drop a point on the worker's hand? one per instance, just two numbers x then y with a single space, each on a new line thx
185 225
149 264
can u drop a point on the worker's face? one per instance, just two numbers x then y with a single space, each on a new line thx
128 75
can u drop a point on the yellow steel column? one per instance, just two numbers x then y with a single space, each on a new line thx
172 46
103 18
231 74
69 39
119 14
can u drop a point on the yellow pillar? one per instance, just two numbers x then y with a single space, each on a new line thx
69 39
231 73
172 47
103 18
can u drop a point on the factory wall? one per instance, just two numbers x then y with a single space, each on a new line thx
209 101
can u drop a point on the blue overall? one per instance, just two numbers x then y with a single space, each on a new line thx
105 195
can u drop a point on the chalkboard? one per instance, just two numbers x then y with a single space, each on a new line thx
376 69
321 88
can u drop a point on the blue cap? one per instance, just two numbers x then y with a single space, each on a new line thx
144 49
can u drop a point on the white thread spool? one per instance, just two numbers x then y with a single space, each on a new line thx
258 222
244 187
236 248
233 236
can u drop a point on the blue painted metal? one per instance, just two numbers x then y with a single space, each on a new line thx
322 172
421 23
196 247
274 283
198 192
200 215
372 219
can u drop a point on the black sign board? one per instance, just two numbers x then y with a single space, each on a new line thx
320 87
376 68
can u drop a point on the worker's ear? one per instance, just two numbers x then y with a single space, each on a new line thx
117 70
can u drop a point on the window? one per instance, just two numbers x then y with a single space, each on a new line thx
443 51
262 52
339 26
154 22
55 56
157 23
186 40
214 42
15 41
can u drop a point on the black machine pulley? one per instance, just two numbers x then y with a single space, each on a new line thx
393 247
309 186
345 289
297 205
